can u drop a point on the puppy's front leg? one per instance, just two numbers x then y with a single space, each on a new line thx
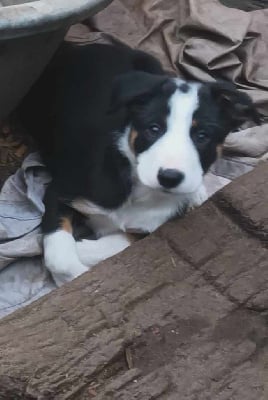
60 253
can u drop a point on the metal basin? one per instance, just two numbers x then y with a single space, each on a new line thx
30 32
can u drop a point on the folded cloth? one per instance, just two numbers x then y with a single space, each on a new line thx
21 205
21 210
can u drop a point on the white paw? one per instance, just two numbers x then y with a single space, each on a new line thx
91 252
198 198
61 258
66 272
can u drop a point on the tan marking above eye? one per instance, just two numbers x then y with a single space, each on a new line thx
194 122
132 137
66 224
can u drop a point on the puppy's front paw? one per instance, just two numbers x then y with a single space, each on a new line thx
66 272
91 252
197 198
61 258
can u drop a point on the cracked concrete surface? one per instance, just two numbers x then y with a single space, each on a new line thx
181 314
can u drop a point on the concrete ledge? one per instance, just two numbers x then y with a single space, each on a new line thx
181 315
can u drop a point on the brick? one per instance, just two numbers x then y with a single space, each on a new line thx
245 200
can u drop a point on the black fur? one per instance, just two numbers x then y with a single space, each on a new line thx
149 112
222 109
81 105
67 113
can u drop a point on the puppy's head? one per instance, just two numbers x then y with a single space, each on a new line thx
177 128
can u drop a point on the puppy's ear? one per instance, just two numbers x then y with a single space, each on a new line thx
235 105
134 86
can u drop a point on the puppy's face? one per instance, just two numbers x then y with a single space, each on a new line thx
177 128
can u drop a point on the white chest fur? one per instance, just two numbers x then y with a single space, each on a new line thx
145 210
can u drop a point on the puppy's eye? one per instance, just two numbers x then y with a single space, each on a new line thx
202 137
154 129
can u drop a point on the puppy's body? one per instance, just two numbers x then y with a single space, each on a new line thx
127 146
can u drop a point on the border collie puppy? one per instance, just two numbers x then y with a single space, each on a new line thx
127 147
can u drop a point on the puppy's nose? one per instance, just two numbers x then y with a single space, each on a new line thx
170 178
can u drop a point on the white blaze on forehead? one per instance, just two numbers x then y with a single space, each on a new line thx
175 149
